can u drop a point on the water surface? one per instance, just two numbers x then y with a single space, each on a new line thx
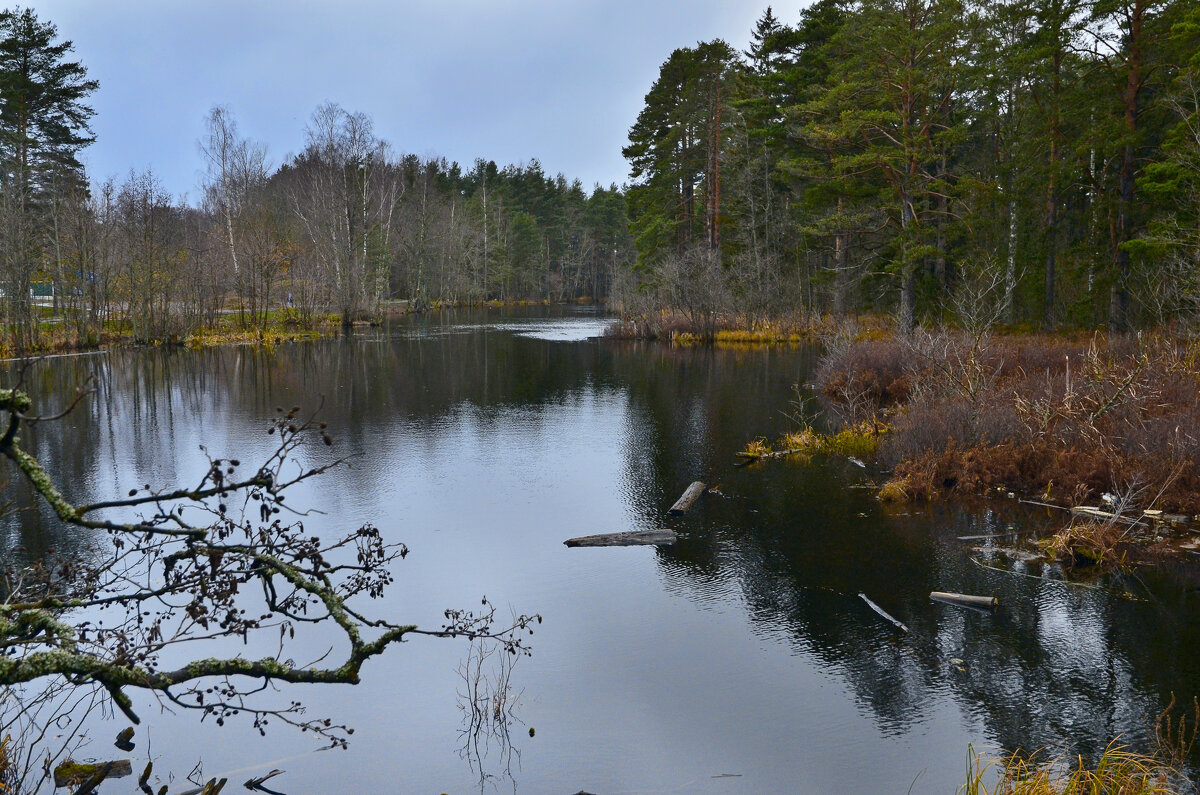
740 660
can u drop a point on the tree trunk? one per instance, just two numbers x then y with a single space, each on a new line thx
1118 309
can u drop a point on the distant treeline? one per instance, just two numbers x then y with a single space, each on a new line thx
340 228
884 155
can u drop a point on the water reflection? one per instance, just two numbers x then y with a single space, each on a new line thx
484 440
490 703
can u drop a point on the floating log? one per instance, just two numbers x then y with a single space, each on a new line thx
1096 513
633 539
689 497
882 612
72 772
965 600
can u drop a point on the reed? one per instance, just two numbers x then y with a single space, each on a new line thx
1118 771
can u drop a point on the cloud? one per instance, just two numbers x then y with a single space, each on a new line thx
510 80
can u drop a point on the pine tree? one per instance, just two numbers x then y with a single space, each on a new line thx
43 126
887 113
675 151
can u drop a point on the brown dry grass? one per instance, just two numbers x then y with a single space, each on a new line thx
1119 771
1064 418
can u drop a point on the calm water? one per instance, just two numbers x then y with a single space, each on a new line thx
739 660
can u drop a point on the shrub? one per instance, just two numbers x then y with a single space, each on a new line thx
1065 418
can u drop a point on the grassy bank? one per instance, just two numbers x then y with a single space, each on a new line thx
57 337
722 330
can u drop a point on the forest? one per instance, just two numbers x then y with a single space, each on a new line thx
332 234
882 158
885 157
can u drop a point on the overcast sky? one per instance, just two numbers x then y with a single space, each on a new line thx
510 80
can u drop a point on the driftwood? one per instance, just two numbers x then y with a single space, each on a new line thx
965 600
689 497
624 539
882 612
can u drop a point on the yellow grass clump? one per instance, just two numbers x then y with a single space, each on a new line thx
1119 771
861 439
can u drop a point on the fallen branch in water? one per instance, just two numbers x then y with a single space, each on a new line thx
1034 576
882 612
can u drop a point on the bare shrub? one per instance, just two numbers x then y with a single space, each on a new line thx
695 284
860 378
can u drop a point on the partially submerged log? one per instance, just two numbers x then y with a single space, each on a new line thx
883 612
75 773
257 782
749 458
1096 513
1012 553
633 539
965 600
689 497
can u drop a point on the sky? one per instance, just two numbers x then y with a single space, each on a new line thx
510 80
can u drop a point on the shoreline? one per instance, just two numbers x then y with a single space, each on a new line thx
269 335
1106 428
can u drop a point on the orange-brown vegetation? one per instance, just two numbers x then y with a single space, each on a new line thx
727 330
1067 419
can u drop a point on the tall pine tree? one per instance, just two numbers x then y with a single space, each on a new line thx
43 126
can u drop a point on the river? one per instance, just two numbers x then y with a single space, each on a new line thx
740 659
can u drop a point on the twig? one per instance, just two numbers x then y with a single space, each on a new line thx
998 535
1034 576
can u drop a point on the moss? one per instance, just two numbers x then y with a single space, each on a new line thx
41 481
70 772
15 400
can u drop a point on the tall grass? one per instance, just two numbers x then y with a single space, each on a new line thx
1118 771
